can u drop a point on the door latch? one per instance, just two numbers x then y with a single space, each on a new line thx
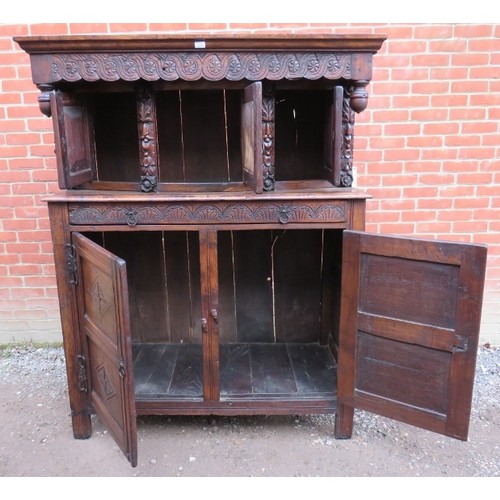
215 315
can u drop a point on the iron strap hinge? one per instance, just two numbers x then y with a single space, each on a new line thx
461 344
71 267
82 373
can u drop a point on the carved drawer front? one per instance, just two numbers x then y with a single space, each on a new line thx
208 213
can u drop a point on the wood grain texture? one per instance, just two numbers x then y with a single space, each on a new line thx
409 329
248 371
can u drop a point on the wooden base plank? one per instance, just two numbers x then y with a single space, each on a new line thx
259 372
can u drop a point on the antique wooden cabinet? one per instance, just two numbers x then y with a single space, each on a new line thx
209 246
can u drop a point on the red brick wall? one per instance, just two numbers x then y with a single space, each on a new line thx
427 149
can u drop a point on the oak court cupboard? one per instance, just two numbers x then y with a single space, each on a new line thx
209 246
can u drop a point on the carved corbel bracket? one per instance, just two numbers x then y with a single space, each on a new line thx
44 98
359 96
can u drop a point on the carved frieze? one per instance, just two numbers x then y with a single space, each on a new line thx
207 213
191 66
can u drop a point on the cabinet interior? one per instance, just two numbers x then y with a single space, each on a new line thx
277 312
200 136
301 134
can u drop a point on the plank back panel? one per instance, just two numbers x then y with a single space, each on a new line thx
254 294
297 285
115 130
205 148
300 134
182 267
143 253
168 113
227 291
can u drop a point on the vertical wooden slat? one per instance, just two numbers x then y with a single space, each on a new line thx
468 320
143 253
329 284
338 96
227 306
209 311
193 256
347 341
254 293
182 278
297 285
333 137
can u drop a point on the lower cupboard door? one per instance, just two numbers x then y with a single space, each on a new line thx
410 318
105 327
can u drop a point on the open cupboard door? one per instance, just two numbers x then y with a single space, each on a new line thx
105 328
251 136
75 150
409 331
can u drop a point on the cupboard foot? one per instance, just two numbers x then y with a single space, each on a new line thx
344 422
82 425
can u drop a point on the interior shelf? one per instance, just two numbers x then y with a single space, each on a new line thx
247 371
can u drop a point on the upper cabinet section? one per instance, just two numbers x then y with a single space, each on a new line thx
203 112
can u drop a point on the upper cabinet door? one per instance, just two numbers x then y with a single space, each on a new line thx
333 138
105 329
410 319
75 150
251 136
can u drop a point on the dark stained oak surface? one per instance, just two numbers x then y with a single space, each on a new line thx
214 174
247 371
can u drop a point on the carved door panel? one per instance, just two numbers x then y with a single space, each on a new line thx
410 318
74 140
105 328
251 136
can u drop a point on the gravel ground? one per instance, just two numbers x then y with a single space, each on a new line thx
37 441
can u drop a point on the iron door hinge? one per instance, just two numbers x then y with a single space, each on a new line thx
72 272
82 373
461 344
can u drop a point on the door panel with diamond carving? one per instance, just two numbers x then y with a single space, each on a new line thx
105 326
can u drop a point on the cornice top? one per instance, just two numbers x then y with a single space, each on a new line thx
200 42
